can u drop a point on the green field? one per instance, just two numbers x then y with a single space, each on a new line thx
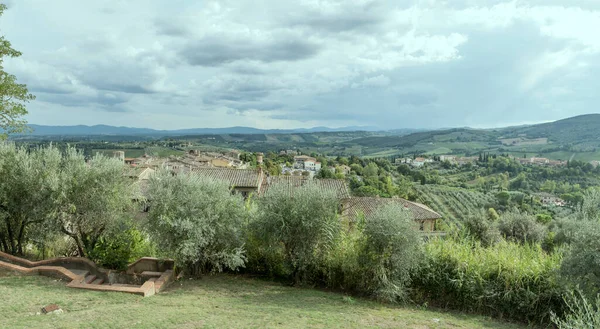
222 301
454 204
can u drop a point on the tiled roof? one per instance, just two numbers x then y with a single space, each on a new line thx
235 177
353 207
338 186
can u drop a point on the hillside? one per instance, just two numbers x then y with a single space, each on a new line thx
571 130
454 204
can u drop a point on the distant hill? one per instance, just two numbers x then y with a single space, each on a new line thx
81 130
575 129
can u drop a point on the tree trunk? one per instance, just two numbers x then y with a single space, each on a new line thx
20 237
11 238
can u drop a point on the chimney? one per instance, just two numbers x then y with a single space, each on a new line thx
259 158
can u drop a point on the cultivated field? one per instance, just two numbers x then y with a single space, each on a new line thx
222 301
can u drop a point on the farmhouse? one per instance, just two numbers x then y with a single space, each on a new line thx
306 162
353 208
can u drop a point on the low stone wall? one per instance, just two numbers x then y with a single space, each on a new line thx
71 263
150 264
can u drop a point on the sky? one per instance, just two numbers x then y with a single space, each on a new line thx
171 64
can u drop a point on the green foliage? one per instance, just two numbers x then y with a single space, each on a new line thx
118 249
94 198
299 230
391 251
366 191
482 229
508 280
197 221
522 228
28 186
581 314
582 262
13 96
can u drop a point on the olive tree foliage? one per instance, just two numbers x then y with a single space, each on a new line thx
197 221
391 251
300 225
93 198
582 262
481 227
521 227
28 185
13 96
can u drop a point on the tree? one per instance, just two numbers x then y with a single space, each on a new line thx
392 250
93 198
28 181
301 228
371 170
13 95
522 228
197 221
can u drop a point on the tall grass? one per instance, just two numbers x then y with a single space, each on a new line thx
507 279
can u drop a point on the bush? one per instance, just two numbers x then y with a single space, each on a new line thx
390 253
482 229
292 233
581 313
197 221
118 249
377 257
522 228
505 280
582 262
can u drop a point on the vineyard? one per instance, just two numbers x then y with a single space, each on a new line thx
453 203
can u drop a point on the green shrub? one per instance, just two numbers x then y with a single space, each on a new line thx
390 253
197 221
293 233
522 228
376 257
505 280
582 262
118 249
482 229
581 314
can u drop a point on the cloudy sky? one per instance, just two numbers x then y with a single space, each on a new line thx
171 64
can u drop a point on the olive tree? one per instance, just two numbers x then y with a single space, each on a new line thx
197 221
391 251
301 225
93 198
28 185
13 95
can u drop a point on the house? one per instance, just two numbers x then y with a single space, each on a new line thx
403 160
345 169
290 183
242 181
595 163
353 208
418 162
450 158
548 199
306 162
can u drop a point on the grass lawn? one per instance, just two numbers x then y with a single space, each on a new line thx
222 301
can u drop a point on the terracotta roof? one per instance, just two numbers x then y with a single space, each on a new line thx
235 177
338 186
352 207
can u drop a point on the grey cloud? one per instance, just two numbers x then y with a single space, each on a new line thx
168 28
214 51
106 102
